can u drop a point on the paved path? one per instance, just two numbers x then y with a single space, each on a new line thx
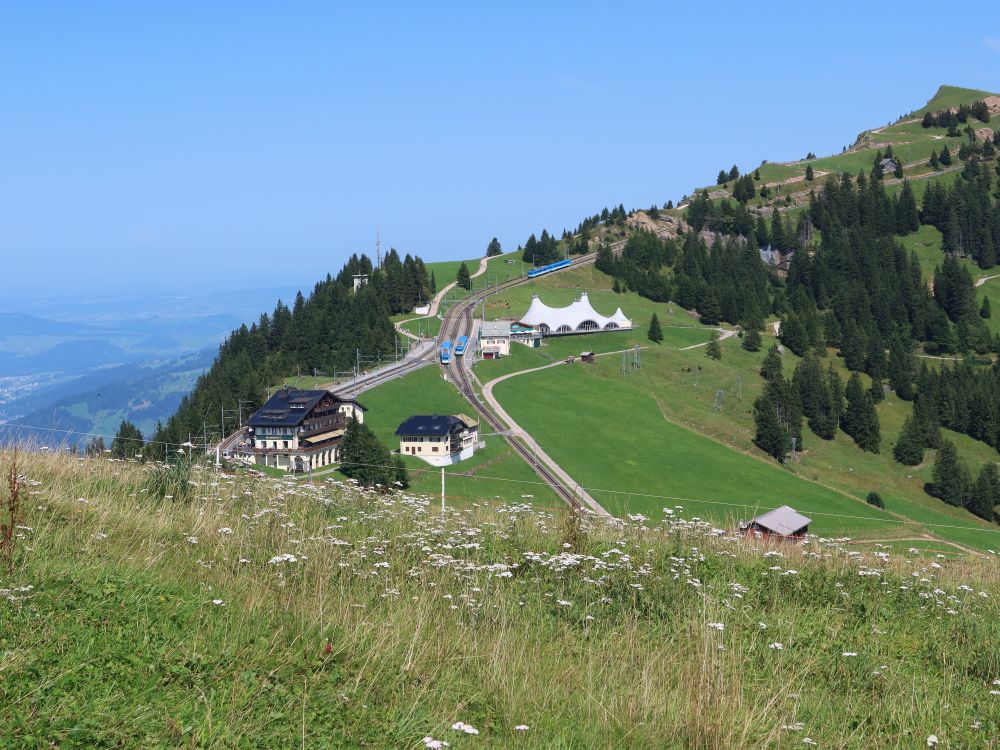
724 333
984 279
517 431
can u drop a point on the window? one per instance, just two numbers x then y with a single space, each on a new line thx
286 443
435 449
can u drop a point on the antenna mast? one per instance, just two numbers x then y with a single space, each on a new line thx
378 248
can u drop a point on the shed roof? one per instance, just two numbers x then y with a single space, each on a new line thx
783 520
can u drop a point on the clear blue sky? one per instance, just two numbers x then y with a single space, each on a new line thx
240 143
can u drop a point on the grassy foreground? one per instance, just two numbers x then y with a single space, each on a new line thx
277 614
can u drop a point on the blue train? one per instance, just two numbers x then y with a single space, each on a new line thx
446 352
549 268
460 345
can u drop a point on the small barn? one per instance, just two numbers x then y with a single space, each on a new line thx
587 357
782 522
888 166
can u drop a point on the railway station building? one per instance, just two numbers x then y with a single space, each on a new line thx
299 430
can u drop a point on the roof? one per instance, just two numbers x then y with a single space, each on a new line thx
887 161
467 421
289 407
495 328
572 317
324 436
436 425
783 520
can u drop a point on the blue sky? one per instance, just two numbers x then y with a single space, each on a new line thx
155 145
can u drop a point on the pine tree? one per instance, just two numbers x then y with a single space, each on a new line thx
900 367
945 156
751 340
463 278
128 441
949 476
771 367
933 163
860 419
434 284
985 493
984 309
723 178
494 248
898 171
714 350
616 287
364 458
655 333
909 449
810 175
853 346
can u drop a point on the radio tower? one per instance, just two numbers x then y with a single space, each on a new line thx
378 248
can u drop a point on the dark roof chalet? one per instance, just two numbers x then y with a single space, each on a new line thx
435 425
289 407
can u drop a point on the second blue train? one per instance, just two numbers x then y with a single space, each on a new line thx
549 268
460 345
446 352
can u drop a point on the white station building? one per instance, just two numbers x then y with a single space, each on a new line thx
577 317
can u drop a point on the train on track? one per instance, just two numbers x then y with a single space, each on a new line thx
549 268
446 352
460 345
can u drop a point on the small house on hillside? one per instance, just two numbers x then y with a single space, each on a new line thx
888 166
781 522
439 439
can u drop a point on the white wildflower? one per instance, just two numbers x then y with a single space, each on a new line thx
461 726
777 646
717 625
932 740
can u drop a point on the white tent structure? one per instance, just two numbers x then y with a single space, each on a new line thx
577 317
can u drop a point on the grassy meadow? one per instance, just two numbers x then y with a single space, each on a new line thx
266 613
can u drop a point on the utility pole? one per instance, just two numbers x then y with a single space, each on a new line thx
442 490
378 248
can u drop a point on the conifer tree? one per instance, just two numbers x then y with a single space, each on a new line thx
463 278
494 248
810 175
434 284
852 346
751 340
985 493
933 163
860 418
714 350
898 171
655 333
909 449
128 441
723 178
945 156
984 309
771 367
900 367
778 419
364 458
949 477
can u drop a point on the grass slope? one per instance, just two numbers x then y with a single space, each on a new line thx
655 432
495 472
280 615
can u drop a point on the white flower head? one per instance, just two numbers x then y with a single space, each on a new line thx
932 741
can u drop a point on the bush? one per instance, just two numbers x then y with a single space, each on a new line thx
875 500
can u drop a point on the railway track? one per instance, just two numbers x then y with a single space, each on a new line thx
458 321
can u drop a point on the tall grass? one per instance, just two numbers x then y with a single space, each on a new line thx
264 613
